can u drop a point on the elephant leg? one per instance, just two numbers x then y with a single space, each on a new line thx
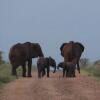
43 72
74 72
14 72
48 69
69 71
66 72
39 72
63 72
29 67
78 67
24 70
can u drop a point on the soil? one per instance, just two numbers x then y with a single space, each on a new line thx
54 88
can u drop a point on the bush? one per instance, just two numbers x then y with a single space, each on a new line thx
5 74
1 58
96 72
84 62
93 71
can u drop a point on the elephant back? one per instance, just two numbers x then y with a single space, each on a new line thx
42 61
32 50
15 52
28 49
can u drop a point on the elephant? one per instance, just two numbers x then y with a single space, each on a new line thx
68 68
22 53
45 63
72 50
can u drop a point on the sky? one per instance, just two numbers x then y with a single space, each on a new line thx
51 23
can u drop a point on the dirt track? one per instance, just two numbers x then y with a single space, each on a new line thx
53 88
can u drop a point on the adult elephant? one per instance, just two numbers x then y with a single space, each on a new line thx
20 53
45 63
72 50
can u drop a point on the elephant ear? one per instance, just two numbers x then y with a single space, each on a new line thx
61 48
37 50
81 46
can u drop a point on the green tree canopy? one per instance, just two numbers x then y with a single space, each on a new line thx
1 58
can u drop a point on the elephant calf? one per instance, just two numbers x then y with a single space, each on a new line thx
45 63
68 68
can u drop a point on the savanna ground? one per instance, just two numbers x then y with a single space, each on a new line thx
83 87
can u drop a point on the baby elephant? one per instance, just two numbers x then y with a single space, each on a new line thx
68 68
45 63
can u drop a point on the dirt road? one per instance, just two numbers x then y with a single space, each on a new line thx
53 88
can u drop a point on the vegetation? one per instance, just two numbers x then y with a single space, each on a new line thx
92 70
84 62
1 58
5 73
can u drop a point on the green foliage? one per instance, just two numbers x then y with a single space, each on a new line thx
1 58
96 72
84 62
5 74
93 71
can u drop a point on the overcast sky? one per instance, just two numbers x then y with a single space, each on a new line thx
50 23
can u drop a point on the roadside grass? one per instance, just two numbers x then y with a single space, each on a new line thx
5 73
92 71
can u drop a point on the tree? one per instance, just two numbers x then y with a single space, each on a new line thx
84 61
1 58
97 62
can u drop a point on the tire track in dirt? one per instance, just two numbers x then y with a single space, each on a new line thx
53 88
